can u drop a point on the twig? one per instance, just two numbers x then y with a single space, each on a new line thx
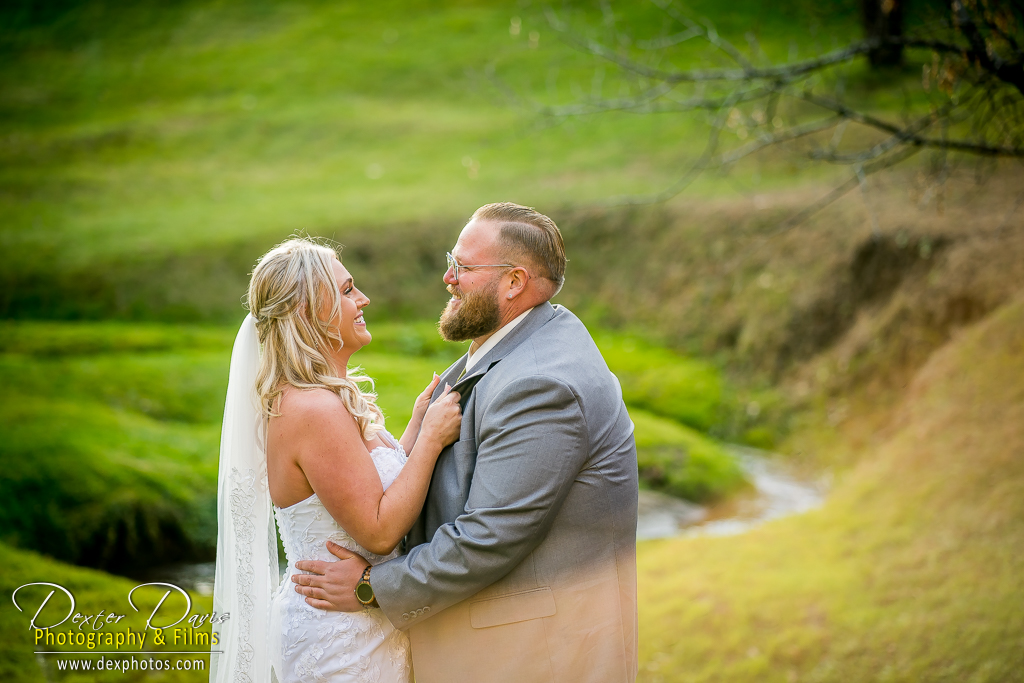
838 192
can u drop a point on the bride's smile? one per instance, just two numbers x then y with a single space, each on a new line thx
352 324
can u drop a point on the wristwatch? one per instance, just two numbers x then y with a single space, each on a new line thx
364 591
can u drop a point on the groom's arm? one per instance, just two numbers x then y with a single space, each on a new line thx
533 443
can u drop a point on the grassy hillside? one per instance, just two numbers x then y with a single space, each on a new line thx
150 151
155 126
831 302
911 572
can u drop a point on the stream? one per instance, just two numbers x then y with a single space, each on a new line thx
777 492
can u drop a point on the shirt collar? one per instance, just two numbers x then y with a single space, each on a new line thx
474 356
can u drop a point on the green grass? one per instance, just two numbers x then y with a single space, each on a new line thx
104 487
199 125
911 572
692 391
272 113
111 440
687 390
679 460
110 444
148 149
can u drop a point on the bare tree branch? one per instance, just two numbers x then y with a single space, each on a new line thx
976 82
909 134
1005 70
648 103
780 74
669 41
780 137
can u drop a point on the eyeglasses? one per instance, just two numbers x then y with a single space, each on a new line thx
455 266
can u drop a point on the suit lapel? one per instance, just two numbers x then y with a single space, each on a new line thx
533 321
449 376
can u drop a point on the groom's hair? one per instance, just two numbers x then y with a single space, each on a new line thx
526 235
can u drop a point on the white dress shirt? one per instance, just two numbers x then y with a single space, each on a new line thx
474 356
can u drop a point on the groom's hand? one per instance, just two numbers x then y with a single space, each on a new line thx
331 585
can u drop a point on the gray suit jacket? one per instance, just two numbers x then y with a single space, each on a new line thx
522 565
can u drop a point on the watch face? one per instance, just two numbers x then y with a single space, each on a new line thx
364 593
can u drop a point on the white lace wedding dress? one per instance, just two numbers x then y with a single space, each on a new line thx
309 644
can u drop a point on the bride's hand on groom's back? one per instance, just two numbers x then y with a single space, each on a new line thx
442 421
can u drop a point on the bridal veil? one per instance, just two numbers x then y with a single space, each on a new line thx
247 573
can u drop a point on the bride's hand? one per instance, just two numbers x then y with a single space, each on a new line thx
442 421
419 408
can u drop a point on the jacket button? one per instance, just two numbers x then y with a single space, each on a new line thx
426 609
405 617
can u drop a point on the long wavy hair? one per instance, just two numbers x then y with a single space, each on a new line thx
290 288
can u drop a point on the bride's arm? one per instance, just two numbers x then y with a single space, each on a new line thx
332 455
419 409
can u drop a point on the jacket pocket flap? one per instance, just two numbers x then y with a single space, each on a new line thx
508 609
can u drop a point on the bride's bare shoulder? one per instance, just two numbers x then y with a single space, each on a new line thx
304 406
312 422
304 401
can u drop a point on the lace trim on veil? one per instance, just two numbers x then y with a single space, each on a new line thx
247 572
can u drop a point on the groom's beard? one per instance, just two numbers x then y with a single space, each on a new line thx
476 316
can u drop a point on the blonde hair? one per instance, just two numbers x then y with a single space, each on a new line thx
289 288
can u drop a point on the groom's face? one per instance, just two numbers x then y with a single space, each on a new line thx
474 309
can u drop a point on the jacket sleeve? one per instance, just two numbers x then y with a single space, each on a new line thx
532 443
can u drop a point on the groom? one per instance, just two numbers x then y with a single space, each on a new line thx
522 565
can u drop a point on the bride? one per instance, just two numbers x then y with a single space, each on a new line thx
301 439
